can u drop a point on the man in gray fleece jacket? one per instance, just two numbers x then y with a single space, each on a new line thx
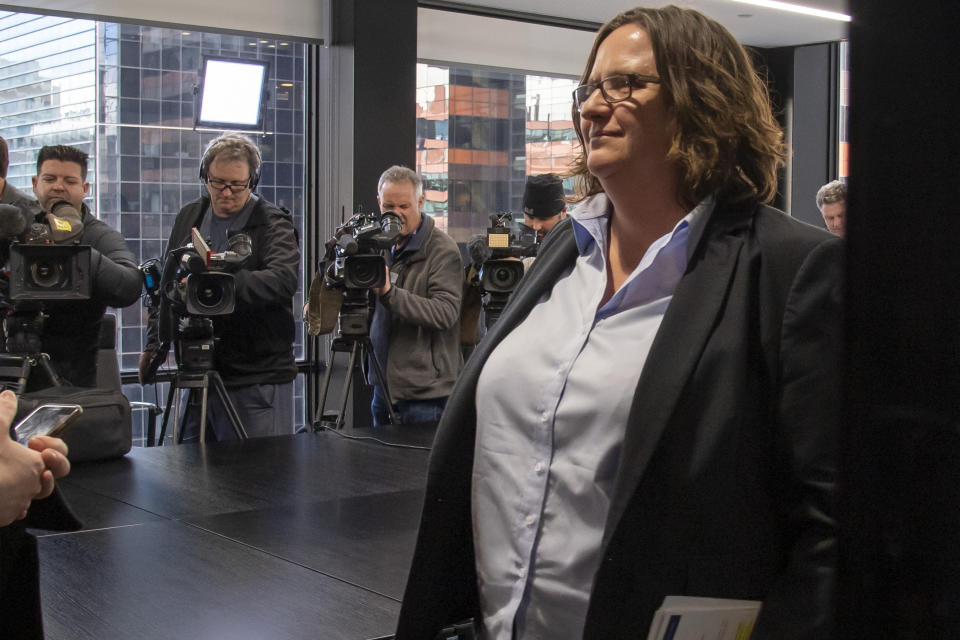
415 329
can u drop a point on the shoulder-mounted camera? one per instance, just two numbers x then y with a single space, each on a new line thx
507 244
353 259
46 260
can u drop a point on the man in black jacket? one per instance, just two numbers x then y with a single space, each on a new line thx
254 350
71 330
9 194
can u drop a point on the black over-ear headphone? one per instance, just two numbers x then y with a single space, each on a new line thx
212 150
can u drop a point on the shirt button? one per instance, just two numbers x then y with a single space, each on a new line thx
544 416
530 520
538 467
523 572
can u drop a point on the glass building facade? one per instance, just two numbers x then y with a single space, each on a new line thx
843 162
125 95
480 133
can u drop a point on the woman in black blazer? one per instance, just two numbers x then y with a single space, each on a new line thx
723 472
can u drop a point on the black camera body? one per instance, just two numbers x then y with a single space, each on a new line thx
48 272
46 264
501 272
195 285
202 283
502 268
353 264
354 250
46 260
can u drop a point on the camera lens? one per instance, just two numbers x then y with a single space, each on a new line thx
363 274
500 276
45 273
364 271
210 295
503 277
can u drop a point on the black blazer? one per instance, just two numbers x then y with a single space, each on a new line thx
726 482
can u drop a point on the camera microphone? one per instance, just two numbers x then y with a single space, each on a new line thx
239 243
346 245
63 209
479 250
13 222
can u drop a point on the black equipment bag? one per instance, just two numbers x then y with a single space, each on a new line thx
102 431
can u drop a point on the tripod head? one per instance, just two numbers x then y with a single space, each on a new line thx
195 344
23 328
21 349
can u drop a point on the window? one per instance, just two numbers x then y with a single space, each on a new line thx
480 132
843 116
125 95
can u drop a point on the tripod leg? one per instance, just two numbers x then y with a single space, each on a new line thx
24 377
203 407
177 399
381 378
321 406
166 415
345 392
232 414
47 367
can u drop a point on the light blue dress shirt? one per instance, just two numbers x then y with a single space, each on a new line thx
552 406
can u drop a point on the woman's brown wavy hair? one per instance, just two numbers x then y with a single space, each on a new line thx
727 139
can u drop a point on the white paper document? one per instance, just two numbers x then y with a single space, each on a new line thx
688 618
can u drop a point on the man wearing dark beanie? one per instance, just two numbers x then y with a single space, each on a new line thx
544 204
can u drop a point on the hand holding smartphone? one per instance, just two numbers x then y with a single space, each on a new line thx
46 420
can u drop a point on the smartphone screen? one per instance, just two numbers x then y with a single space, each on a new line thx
46 420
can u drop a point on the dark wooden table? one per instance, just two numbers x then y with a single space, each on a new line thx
305 536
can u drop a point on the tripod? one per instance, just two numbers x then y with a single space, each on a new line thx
21 358
194 352
354 345
16 371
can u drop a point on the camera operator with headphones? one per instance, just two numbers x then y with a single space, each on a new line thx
254 352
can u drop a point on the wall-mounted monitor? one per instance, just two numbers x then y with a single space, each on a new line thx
232 93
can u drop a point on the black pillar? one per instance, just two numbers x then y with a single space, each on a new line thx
900 550
381 35
385 89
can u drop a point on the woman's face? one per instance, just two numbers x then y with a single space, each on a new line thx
631 137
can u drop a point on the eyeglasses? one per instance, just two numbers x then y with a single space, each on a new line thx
613 88
220 185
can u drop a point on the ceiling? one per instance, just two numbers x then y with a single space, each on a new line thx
752 25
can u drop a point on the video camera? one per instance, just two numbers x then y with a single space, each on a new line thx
353 253
501 272
198 282
352 265
195 284
496 259
46 260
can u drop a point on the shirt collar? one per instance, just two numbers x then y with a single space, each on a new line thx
591 221
411 242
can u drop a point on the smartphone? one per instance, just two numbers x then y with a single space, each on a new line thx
46 420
